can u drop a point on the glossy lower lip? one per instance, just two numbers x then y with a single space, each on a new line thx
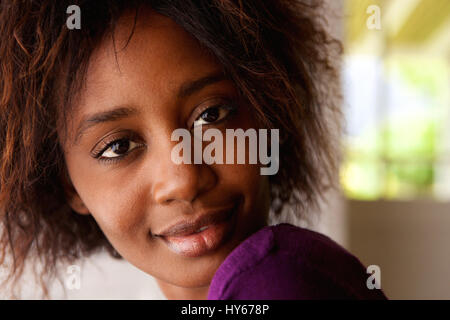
201 243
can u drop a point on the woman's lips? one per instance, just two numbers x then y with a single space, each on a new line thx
215 229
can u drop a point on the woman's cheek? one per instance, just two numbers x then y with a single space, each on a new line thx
114 198
247 180
119 209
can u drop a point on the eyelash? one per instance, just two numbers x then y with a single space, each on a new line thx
230 107
109 144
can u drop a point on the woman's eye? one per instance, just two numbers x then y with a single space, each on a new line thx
213 114
119 148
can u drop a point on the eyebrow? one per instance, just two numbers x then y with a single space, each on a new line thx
121 112
191 87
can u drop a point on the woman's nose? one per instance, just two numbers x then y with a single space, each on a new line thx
181 182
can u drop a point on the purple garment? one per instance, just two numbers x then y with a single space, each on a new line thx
289 262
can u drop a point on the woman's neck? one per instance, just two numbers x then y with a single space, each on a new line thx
173 292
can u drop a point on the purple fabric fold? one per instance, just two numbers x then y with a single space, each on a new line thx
290 263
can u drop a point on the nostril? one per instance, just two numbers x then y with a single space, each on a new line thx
154 235
168 201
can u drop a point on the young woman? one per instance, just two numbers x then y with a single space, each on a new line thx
86 123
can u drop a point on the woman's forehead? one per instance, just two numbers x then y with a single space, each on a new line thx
155 47
149 66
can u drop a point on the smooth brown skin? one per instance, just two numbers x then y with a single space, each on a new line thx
146 192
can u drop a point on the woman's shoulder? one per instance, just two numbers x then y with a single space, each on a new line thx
289 262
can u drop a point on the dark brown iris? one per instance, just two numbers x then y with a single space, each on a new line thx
210 115
121 146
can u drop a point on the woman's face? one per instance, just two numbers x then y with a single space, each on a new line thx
118 153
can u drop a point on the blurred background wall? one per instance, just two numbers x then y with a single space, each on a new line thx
396 169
